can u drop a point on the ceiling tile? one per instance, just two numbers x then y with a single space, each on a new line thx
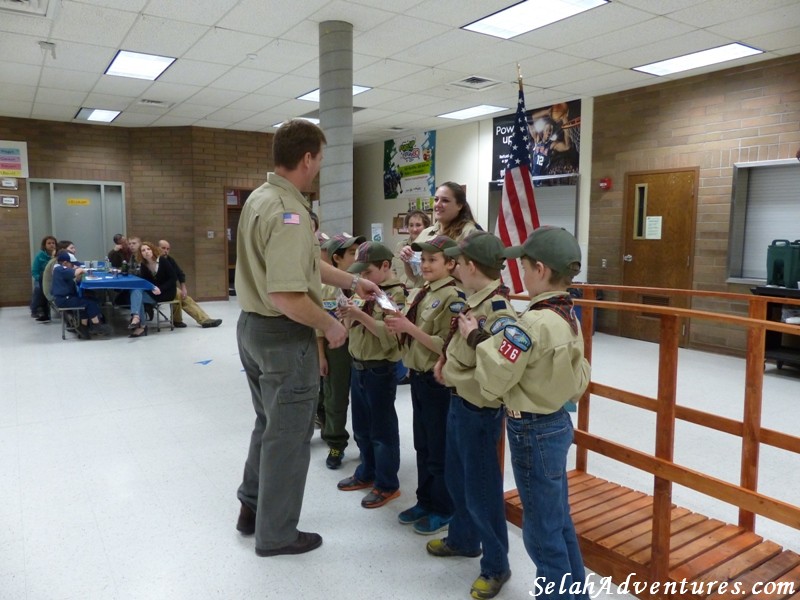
129 5
761 23
271 19
204 12
25 25
399 34
121 86
25 49
693 41
194 111
68 80
171 92
131 119
77 56
659 28
215 97
771 42
59 112
714 12
192 72
231 115
226 47
17 92
244 80
291 86
456 13
59 97
385 71
156 35
362 18
17 108
283 56
173 121
108 27
256 102
19 74
107 101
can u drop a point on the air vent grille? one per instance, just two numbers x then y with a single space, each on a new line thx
154 103
31 8
475 82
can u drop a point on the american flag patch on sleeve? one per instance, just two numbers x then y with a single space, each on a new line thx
291 219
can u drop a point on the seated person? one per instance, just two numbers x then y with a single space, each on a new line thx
187 303
120 252
65 295
158 270
47 274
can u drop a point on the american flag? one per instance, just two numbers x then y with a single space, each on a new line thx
517 217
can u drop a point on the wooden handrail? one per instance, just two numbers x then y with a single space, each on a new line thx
661 465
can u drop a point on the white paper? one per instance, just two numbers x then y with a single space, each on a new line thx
652 228
377 232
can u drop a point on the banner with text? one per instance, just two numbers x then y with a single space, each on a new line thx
408 168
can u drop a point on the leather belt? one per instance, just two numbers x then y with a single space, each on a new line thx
361 365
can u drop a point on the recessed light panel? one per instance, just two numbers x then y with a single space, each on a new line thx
313 95
698 59
527 16
138 66
97 114
475 111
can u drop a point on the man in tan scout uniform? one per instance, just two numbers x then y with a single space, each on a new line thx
278 284
534 366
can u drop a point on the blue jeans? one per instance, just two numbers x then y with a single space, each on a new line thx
472 472
375 428
138 300
539 446
430 401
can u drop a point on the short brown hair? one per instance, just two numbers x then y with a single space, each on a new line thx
45 239
426 220
557 277
293 140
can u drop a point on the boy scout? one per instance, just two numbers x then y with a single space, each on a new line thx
474 424
373 386
425 327
335 362
534 366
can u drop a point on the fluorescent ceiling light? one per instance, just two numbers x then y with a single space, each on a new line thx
527 16
311 120
97 114
138 66
475 111
313 95
698 59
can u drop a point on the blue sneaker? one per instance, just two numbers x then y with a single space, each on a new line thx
412 515
431 523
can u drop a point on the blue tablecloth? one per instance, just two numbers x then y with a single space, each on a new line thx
115 282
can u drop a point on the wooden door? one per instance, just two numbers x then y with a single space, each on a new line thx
658 249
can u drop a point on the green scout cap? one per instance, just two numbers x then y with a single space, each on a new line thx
370 252
341 241
481 247
438 244
554 246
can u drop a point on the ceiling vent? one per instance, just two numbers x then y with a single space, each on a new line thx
474 82
30 8
154 103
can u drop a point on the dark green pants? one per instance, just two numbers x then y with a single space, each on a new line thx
336 396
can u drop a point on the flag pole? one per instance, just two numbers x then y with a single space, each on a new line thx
519 77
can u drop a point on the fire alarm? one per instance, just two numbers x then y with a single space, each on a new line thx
605 183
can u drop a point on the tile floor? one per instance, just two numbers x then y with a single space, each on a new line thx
120 458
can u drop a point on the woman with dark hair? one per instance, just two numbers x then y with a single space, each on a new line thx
157 269
40 309
453 219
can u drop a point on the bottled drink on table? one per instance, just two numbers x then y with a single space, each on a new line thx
124 269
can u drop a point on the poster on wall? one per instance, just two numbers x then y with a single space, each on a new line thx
13 159
408 168
556 143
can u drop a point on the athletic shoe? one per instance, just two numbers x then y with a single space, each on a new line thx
412 515
334 460
377 498
488 587
353 483
431 523
215 323
442 550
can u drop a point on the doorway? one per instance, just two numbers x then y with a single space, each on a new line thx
658 244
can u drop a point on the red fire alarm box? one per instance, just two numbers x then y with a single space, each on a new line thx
605 183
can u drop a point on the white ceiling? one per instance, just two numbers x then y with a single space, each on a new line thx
408 51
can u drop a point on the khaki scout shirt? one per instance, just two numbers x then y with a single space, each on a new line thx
535 365
276 249
493 312
364 345
436 229
434 314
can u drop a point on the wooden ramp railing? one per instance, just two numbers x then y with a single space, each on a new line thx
645 538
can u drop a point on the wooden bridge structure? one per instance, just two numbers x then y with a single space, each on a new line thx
624 531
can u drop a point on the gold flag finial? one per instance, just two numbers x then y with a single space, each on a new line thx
519 77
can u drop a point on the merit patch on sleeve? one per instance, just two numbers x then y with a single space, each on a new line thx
515 342
455 307
291 219
500 323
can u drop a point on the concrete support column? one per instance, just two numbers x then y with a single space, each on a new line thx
336 120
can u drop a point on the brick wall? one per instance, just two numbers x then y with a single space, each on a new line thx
710 121
174 179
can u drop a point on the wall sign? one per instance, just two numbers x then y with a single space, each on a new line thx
9 183
408 167
13 159
9 201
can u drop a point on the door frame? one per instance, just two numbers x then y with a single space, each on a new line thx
627 202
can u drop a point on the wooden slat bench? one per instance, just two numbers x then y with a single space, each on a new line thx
615 526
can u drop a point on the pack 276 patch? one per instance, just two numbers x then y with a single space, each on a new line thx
515 342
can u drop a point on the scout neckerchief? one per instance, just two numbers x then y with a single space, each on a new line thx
500 289
412 310
562 306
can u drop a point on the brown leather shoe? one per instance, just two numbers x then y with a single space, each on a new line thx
305 542
247 520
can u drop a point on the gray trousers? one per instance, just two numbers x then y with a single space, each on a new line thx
280 360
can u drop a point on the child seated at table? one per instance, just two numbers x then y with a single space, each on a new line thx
65 295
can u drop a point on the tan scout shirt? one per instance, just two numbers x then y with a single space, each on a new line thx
493 312
276 249
535 365
434 314
364 345
436 229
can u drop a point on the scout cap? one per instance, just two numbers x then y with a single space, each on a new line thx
554 246
438 244
370 252
341 241
482 247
